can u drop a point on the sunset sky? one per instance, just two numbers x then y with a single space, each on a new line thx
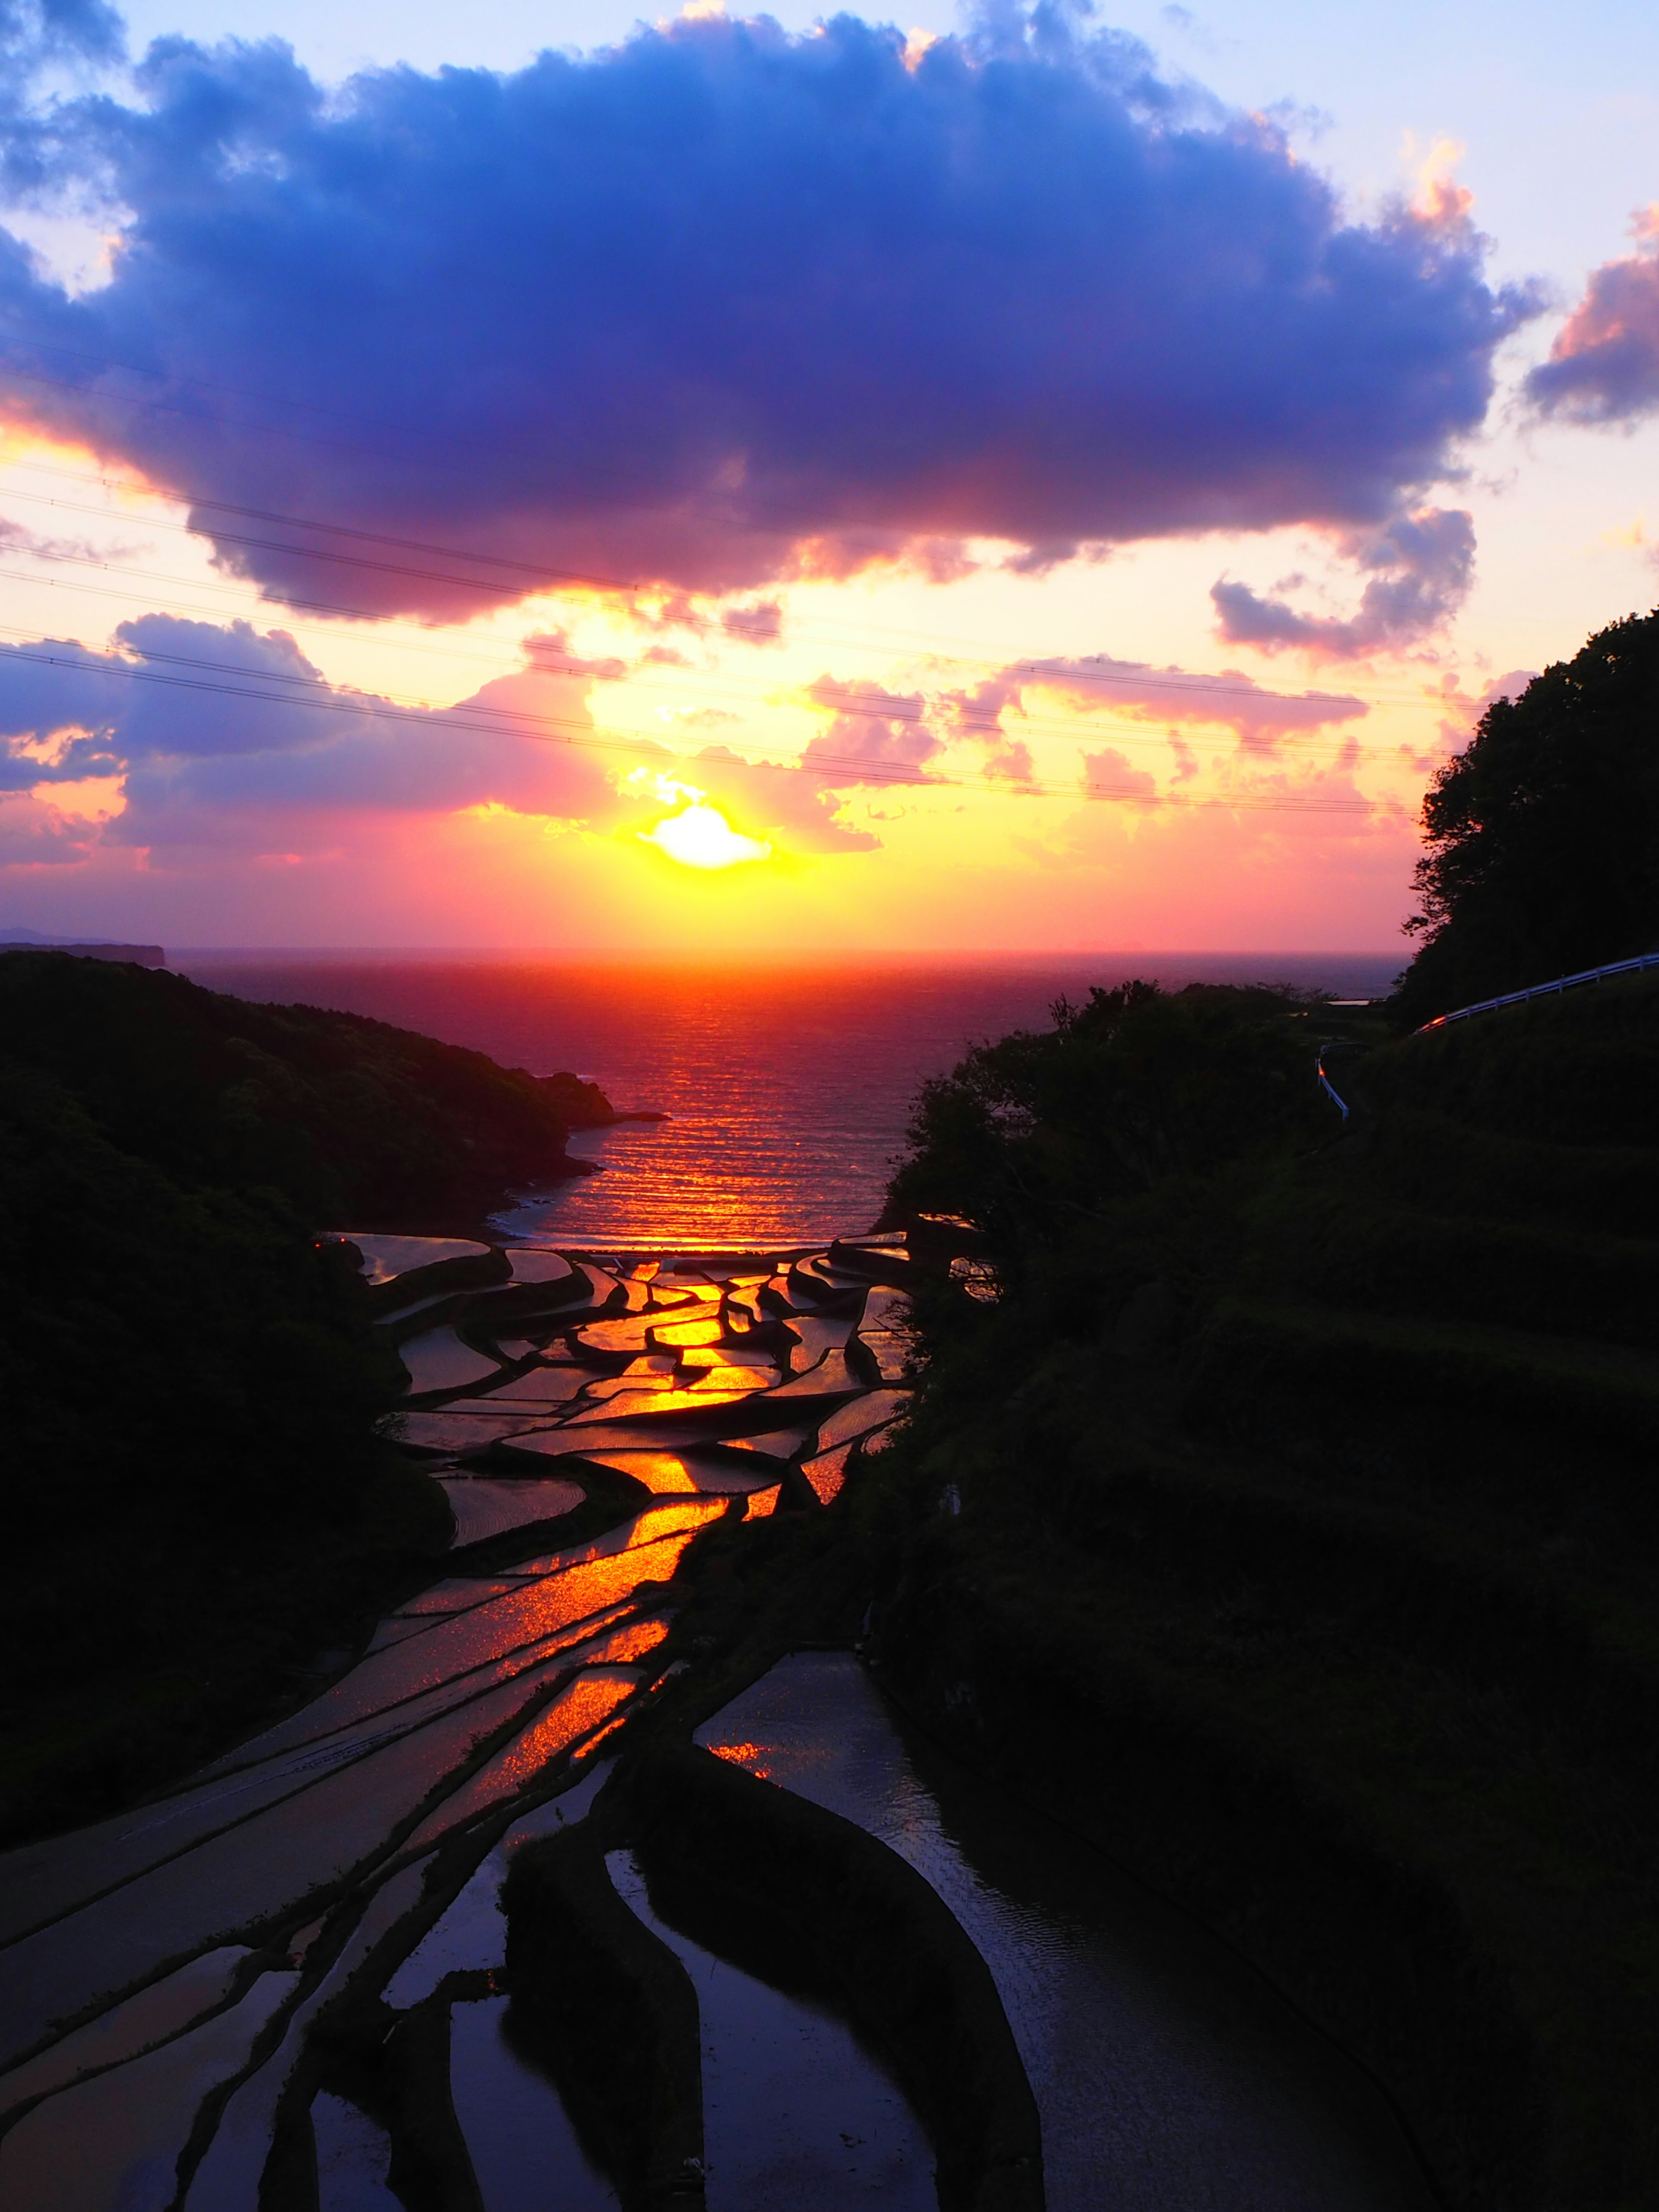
1018 479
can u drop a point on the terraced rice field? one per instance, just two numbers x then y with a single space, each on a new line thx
292 1981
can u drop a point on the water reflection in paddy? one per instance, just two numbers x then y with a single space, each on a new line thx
797 2116
524 2150
1168 2078
353 2155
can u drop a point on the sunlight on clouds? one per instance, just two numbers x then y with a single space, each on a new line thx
1439 198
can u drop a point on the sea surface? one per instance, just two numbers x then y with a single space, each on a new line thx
788 1086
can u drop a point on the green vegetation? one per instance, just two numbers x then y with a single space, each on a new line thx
1307 1539
197 1506
1543 833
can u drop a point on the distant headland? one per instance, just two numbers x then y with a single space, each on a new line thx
84 948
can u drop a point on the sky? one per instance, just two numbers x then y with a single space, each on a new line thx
1026 478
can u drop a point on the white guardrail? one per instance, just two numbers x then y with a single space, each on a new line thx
1540 991
1509 999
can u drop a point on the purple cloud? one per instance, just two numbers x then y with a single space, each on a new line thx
760 622
878 736
1604 365
722 305
1423 565
217 730
205 763
1176 696
875 735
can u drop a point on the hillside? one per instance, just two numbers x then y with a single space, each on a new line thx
350 1118
1287 1524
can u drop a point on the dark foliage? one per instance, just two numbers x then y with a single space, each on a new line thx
1307 1542
1033 1134
1543 833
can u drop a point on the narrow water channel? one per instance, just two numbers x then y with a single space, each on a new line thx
1168 2078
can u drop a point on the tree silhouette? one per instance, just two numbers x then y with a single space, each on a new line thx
1543 833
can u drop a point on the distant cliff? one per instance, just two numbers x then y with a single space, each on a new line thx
137 955
348 1118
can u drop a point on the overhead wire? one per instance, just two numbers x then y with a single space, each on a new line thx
544 575
849 696
843 698
550 729
1143 679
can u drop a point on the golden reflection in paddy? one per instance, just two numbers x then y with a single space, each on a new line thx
665 1472
600 1582
760 1502
746 1755
707 1331
734 1364
633 1401
579 1708
588 1749
828 1471
633 1641
590 1699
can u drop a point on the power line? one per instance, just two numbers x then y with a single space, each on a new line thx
589 736
842 698
1208 686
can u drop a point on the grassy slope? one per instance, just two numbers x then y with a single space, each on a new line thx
1307 1556
197 1506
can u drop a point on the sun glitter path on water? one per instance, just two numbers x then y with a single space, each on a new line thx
699 837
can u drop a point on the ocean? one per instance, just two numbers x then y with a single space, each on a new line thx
788 1086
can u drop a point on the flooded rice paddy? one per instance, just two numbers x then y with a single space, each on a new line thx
292 1981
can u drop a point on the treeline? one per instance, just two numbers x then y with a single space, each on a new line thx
1542 836
196 1499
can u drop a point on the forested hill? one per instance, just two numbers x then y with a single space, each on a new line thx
351 1120
1287 1521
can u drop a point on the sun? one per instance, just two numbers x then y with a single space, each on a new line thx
700 836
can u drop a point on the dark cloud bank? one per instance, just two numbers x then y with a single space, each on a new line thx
723 306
